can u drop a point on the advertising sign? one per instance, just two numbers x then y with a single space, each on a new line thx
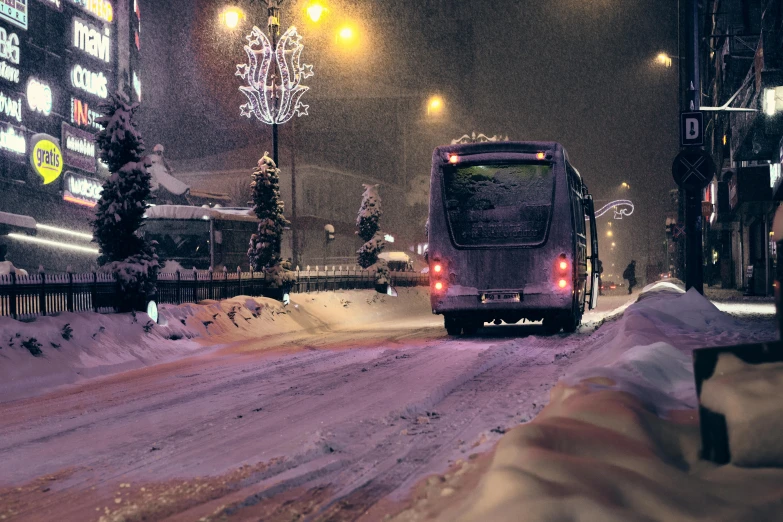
92 40
9 56
93 82
46 157
78 148
12 140
83 115
82 190
101 9
57 5
15 11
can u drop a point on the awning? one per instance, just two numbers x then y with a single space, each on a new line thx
16 223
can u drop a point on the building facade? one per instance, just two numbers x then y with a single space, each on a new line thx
742 62
59 60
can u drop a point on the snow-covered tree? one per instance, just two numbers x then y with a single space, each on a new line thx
120 211
264 251
368 223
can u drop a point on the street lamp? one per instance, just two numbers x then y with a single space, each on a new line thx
625 185
274 74
315 11
664 59
231 16
346 33
434 105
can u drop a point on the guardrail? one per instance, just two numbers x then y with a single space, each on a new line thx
25 297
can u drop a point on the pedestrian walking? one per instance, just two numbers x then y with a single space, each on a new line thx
630 274
600 283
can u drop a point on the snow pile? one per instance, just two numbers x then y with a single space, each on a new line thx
620 440
69 347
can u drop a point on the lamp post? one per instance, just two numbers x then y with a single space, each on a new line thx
274 74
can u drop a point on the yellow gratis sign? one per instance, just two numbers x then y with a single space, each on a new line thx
47 160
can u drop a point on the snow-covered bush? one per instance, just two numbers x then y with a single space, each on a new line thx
120 211
368 223
264 251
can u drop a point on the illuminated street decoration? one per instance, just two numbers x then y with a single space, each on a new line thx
89 81
272 99
10 107
477 138
622 207
39 96
12 141
92 40
14 12
101 9
9 56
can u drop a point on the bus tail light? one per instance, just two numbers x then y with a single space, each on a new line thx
562 264
437 269
439 286
562 283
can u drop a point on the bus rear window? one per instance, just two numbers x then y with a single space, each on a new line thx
488 205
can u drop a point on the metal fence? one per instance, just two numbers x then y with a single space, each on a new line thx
25 297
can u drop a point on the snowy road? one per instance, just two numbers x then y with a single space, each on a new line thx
332 420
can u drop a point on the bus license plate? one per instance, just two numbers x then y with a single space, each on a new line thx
501 297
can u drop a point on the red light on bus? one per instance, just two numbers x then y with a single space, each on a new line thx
563 265
437 269
439 286
540 155
562 283
453 158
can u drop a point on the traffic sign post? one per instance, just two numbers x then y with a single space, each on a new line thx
692 129
693 170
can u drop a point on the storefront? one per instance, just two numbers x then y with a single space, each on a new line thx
59 60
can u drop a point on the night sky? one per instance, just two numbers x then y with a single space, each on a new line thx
580 72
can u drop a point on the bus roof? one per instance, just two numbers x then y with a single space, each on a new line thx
186 212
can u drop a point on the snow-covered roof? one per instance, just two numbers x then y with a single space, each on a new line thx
394 256
189 212
161 177
17 220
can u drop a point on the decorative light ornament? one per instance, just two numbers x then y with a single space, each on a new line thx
272 99
622 207
477 138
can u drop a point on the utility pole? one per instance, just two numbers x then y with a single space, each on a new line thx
273 17
694 277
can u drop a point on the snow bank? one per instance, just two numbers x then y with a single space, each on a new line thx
69 347
619 439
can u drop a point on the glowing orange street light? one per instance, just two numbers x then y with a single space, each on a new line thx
346 33
315 11
231 16
434 105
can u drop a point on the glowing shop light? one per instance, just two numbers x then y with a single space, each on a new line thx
389 238
276 103
39 96
56 244
58 230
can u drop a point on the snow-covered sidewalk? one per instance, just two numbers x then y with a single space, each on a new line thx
619 439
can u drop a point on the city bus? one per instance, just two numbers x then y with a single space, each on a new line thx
198 237
512 236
